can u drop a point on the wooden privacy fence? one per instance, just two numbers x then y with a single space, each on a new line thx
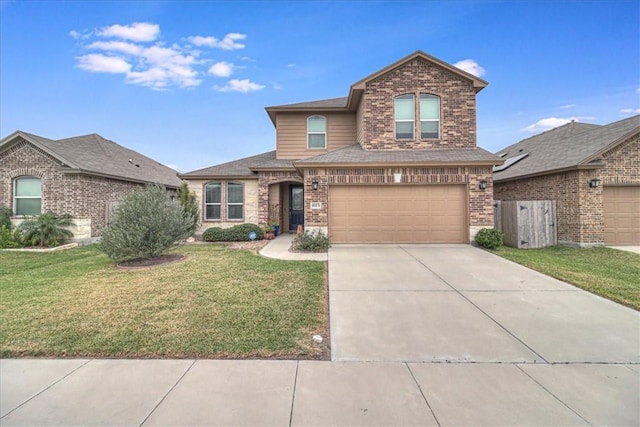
527 224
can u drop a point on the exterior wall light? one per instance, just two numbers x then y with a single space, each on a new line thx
482 185
314 184
594 183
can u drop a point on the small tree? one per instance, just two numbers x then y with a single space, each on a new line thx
189 205
46 229
144 225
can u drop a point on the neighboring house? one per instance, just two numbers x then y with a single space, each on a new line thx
83 176
394 161
591 171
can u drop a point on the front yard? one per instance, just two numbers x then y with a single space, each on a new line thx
216 303
607 272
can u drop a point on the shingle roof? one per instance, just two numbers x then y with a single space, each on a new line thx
95 155
354 154
323 103
564 147
242 167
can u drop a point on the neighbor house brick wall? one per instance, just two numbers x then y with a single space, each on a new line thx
622 164
457 106
82 196
480 202
579 218
250 202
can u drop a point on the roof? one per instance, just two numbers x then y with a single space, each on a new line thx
350 103
242 168
95 155
569 146
354 154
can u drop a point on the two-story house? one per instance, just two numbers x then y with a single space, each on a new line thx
395 161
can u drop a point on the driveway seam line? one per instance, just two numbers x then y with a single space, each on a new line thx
293 395
46 388
168 392
554 396
422 393
473 304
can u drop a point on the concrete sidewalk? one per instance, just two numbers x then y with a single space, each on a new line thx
302 393
278 248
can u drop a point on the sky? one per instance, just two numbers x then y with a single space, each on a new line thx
186 82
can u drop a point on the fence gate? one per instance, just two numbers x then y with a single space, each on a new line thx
528 224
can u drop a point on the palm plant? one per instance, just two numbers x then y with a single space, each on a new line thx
46 229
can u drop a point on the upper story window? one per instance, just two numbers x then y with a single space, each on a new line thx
405 116
429 116
317 132
27 196
235 201
212 201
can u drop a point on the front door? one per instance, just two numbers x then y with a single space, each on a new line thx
296 207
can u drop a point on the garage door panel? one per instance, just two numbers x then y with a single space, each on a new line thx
621 215
398 214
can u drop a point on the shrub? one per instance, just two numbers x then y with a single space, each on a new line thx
315 241
489 238
237 233
5 216
47 229
189 205
9 239
144 225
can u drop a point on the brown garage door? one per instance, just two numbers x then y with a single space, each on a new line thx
621 215
398 214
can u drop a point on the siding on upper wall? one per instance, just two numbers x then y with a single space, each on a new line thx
291 134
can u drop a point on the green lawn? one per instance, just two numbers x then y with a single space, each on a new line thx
216 303
610 273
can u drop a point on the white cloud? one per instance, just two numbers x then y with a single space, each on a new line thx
630 111
236 85
229 42
551 123
221 69
138 31
471 67
276 86
99 63
291 65
638 91
566 107
157 65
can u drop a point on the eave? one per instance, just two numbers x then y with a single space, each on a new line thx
590 166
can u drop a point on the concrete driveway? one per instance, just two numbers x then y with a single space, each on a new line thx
457 303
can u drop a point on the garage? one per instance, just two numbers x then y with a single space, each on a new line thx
398 214
621 215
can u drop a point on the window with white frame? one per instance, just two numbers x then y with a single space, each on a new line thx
27 196
317 132
235 201
404 108
212 201
429 116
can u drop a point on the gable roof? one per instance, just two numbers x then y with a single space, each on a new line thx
574 145
350 103
355 155
95 155
242 168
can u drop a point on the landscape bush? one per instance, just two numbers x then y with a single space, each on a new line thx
48 229
489 238
9 239
190 208
314 241
237 233
144 225
5 216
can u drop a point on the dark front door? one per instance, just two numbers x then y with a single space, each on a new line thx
296 206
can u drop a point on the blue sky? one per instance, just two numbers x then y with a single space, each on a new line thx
186 82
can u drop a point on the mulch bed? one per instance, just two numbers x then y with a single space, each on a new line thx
151 262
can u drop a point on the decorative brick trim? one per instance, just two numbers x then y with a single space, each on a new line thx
266 179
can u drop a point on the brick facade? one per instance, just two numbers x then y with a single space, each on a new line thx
579 207
457 108
267 181
84 197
